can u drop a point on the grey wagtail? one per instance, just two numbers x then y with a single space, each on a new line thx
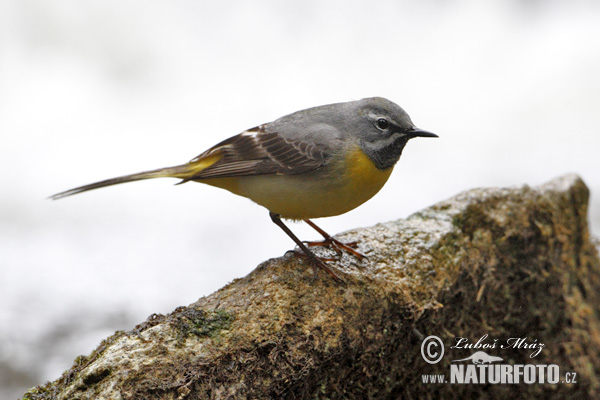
318 162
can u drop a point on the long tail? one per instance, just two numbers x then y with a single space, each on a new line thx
185 172
180 171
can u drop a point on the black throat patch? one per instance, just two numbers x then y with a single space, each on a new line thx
384 157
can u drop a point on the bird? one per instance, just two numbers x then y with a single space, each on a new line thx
318 162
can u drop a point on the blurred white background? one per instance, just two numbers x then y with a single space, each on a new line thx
92 90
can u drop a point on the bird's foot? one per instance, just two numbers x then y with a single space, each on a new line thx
338 247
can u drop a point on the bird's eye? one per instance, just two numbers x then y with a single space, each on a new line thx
383 124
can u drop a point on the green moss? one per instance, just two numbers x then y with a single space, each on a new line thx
40 392
199 322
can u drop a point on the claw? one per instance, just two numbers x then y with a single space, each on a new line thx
334 243
338 246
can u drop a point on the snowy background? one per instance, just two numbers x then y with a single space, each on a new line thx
96 89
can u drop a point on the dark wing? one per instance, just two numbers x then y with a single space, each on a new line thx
257 152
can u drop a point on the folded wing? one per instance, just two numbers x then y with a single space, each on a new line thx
257 152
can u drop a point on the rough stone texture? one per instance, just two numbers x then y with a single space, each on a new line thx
513 262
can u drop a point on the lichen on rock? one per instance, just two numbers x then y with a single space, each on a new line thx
507 262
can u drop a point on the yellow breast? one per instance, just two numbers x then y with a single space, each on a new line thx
363 175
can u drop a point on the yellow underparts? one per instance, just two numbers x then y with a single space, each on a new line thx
338 187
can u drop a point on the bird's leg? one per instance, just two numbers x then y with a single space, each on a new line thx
334 243
315 261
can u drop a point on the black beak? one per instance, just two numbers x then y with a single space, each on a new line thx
416 132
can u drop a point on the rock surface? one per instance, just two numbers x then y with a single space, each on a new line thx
504 262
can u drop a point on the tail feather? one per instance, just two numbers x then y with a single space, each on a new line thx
185 172
180 171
